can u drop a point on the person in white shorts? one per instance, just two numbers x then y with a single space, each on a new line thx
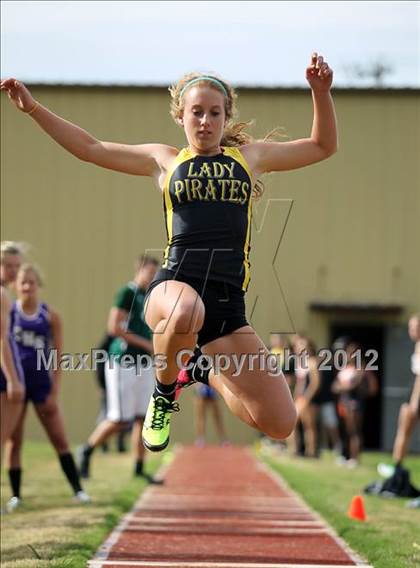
129 371
128 393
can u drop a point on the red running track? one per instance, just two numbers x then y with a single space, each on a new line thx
222 508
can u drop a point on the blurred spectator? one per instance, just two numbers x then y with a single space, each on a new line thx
207 399
326 413
354 385
127 392
340 344
409 412
100 379
282 349
306 386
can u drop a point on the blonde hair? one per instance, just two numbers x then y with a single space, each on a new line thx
13 247
29 267
235 134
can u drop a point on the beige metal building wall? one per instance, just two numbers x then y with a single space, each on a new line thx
351 235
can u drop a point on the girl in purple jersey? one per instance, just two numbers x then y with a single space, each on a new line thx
36 329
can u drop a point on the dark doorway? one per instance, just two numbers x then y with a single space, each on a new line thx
369 337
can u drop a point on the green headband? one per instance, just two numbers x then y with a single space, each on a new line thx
204 78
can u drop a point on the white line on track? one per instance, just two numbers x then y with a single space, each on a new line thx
358 560
226 532
203 497
182 564
226 521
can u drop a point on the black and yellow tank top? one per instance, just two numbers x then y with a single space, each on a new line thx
208 209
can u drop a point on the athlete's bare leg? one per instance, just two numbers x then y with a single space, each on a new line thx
51 419
258 398
15 442
308 417
9 416
407 421
218 419
232 400
200 418
353 422
103 431
175 313
137 447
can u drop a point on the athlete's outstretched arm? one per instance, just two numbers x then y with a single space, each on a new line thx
141 159
322 143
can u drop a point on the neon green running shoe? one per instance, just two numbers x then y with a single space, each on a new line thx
157 423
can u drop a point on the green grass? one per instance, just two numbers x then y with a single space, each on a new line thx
52 531
390 538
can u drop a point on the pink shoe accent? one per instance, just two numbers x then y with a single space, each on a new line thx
183 380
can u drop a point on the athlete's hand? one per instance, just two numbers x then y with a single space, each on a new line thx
18 94
15 391
318 74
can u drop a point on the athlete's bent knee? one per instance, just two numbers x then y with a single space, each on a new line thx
187 317
282 426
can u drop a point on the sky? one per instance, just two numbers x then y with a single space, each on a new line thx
248 43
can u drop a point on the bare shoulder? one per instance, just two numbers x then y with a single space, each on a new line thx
249 151
252 153
165 157
55 317
162 155
135 159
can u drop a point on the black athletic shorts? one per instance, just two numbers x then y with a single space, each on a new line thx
223 302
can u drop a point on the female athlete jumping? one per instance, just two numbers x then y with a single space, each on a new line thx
197 298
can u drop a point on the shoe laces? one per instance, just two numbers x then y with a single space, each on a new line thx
162 406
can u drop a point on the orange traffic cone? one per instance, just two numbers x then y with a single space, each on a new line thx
357 509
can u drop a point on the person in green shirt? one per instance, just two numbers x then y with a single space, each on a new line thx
129 371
